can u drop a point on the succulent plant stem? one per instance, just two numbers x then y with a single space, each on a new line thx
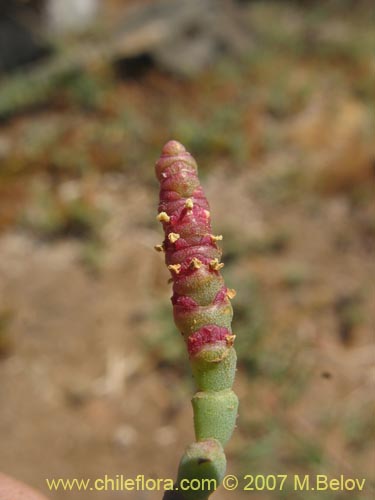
203 313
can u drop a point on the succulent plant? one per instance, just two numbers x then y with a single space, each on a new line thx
202 312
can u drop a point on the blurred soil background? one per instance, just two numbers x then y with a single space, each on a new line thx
275 99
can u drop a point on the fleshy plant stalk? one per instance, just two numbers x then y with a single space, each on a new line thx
203 313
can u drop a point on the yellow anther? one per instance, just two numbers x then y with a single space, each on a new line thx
215 265
163 217
175 267
189 203
207 213
173 237
195 263
159 248
216 238
231 293
230 340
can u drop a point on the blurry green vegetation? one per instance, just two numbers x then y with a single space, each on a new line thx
50 216
92 255
282 186
210 135
6 316
274 449
350 314
295 275
249 324
273 242
304 32
85 90
166 345
359 428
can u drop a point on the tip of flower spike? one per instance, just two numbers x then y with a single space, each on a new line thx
173 148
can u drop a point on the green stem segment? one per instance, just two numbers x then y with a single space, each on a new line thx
203 313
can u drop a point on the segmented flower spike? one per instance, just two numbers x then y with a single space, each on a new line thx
202 312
